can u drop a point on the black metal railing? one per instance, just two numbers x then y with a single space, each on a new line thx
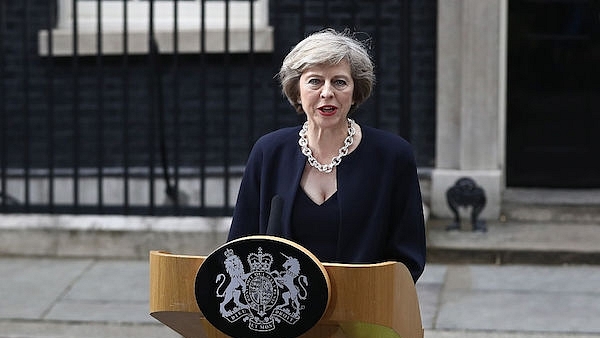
166 130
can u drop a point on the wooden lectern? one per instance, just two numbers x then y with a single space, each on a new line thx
367 300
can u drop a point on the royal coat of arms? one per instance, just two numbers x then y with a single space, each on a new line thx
263 296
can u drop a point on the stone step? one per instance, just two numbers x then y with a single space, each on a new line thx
551 205
552 243
123 237
567 214
536 226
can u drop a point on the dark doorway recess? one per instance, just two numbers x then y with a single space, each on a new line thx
553 107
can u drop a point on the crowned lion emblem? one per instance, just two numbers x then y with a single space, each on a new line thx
255 296
237 285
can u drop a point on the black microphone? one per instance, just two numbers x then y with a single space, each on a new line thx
274 223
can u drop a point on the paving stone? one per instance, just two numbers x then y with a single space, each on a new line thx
28 329
521 298
29 287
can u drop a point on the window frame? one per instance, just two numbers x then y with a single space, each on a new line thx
188 27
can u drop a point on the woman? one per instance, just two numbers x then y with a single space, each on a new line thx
349 193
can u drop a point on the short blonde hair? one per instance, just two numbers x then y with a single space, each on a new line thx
328 47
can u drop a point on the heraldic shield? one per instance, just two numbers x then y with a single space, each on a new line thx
262 286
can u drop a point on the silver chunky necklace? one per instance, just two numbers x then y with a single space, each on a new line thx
343 151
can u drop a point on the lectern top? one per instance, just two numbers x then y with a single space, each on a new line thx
262 286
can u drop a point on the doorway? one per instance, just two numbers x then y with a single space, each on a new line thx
553 94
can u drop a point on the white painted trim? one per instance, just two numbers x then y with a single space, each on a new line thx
189 27
115 223
138 12
188 42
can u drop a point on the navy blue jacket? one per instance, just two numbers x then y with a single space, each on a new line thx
381 212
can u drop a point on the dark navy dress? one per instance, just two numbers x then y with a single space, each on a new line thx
315 226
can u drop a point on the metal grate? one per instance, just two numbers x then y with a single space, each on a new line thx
167 131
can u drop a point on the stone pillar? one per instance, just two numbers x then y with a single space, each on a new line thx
471 73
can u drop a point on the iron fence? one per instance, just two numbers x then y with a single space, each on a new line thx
104 110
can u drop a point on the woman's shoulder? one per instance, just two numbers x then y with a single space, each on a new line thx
384 145
278 138
279 135
383 138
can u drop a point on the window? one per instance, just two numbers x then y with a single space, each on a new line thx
189 12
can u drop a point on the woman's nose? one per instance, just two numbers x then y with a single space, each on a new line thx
326 90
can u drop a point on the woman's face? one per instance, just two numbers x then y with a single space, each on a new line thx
326 94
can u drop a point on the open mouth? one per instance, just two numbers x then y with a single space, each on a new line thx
328 110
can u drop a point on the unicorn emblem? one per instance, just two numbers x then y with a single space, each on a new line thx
295 292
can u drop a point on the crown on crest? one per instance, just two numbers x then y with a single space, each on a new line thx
260 261
228 253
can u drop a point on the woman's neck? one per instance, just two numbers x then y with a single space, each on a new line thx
326 142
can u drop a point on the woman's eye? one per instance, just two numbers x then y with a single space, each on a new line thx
340 83
314 82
